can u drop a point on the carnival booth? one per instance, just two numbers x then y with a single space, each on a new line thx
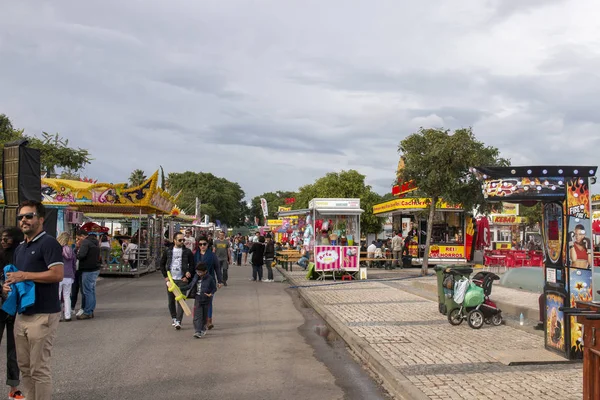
566 234
452 231
333 234
140 209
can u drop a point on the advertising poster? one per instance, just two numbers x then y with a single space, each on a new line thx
327 258
335 258
580 283
579 210
553 232
555 322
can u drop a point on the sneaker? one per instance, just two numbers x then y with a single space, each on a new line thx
177 325
174 322
198 335
79 312
85 316
16 395
265 280
252 279
224 283
133 269
67 319
202 333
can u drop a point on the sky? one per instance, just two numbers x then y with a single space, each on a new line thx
274 94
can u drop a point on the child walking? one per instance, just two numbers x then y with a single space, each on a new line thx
202 287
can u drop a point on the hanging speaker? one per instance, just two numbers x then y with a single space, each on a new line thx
21 178
8 216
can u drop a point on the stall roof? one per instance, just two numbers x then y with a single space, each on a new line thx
340 211
292 213
538 171
97 216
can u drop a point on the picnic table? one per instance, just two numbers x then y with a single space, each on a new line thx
287 258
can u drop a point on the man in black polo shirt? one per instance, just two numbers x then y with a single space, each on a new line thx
39 259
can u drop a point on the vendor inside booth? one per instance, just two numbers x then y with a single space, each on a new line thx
449 230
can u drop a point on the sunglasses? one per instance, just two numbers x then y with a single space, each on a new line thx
26 216
6 239
203 244
181 240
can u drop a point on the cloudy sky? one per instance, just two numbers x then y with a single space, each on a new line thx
273 94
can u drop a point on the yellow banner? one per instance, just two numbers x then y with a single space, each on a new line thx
274 222
409 204
509 209
508 220
281 208
596 197
441 251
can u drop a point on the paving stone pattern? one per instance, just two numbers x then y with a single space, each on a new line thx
443 361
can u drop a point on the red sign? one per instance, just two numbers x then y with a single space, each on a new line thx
290 200
406 187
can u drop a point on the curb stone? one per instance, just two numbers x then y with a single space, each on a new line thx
397 383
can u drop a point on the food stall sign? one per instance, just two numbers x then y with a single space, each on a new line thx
274 222
334 203
508 220
411 203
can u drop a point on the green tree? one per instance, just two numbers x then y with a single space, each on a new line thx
55 150
137 177
71 175
274 201
438 161
220 199
532 213
345 184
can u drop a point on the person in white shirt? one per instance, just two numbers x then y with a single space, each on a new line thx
371 251
397 245
190 241
179 260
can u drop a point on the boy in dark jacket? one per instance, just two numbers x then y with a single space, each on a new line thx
203 287
269 258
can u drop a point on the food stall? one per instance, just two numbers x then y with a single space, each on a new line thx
452 231
332 234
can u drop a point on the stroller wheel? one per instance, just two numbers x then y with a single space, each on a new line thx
497 319
475 319
455 317
487 321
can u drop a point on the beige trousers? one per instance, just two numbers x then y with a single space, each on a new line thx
34 337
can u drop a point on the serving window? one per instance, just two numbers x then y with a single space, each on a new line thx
448 227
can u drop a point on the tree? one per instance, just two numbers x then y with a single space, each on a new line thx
533 214
137 177
70 175
438 161
55 150
274 201
345 184
220 199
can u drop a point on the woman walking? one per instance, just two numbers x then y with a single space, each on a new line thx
258 258
11 237
65 286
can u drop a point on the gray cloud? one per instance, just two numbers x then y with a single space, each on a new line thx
254 94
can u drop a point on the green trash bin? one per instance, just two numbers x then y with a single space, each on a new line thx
447 304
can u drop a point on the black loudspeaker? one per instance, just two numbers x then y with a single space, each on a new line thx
21 178
8 216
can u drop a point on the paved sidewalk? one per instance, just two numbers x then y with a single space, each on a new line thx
510 301
419 355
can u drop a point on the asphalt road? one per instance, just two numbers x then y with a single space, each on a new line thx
263 347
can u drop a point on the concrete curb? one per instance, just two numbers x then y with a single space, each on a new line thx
397 383
507 308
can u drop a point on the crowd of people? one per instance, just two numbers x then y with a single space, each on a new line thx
43 278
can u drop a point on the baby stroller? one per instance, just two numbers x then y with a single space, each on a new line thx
474 303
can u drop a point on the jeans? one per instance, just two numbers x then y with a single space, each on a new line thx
239 258
303 262
269 262
34 337
174 307
210 306
64 293
257 272
75 289
200 313
105 254
88 281
224 269
12 368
